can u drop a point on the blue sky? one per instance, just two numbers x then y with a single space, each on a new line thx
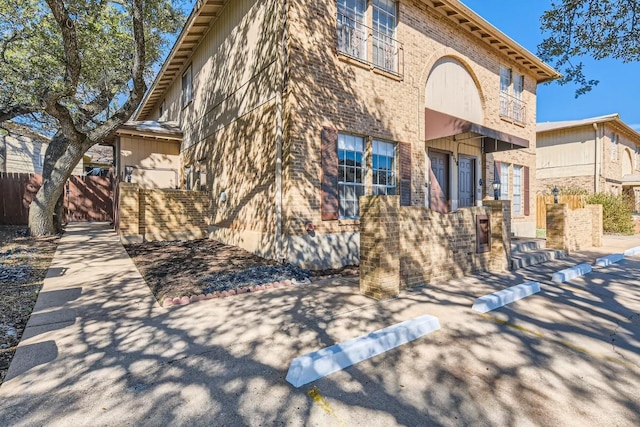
619 88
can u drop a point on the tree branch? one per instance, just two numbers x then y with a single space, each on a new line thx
70 43
123 114
13 111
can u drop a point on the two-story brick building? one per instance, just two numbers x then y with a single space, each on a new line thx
291 110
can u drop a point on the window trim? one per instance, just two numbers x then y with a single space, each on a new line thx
363 173
394 168
520 193
185 102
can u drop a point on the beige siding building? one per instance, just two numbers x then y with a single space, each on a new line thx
22 150
290 111
600 154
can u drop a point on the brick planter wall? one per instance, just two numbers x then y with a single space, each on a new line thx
162 214
402 247
572 230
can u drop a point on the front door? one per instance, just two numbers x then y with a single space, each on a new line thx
439 189
466 174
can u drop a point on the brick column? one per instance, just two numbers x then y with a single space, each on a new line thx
596 223
557 229
129 205
500 234
380 246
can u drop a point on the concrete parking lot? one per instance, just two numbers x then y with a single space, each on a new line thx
99 351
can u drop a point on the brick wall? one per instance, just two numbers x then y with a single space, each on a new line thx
573 230
402 247
326 91
380 246
162 214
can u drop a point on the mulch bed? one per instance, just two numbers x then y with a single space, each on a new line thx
185 271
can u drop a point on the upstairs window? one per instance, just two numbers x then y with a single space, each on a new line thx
187 87
512 105
350 174
384 29
614 147
352 31
384 168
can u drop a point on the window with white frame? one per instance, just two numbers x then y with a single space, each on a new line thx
517 106
614 147
384 168
384 28
505 84
512 105
351 170
517 190
504 181
187 87
352 32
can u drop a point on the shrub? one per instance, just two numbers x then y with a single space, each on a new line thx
616 212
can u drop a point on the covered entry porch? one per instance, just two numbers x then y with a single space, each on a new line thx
457 167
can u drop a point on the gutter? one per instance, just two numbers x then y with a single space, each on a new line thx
597 162
280 87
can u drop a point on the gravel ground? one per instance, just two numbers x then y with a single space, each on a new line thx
23 265
197 267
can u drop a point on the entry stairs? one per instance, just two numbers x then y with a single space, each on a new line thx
528 252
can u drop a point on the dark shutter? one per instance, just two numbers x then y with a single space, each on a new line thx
404 151
526 190
329 205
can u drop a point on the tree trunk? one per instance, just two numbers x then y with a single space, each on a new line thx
61 158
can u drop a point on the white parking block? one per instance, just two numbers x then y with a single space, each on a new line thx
571 273
505 296
632 252
310 367
609 259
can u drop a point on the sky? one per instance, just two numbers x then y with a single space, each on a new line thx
619 88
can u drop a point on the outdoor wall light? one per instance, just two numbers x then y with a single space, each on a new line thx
555 194
496 190
223 197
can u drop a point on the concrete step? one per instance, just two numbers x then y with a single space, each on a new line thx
527 245
533 257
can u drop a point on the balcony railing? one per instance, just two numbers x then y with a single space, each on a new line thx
513 108
356 39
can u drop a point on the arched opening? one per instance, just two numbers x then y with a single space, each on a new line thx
627 163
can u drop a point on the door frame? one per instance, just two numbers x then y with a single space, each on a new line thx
449 155
474 177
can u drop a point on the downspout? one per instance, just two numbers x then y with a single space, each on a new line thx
597 159
280 87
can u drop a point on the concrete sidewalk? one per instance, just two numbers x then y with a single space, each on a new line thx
99 350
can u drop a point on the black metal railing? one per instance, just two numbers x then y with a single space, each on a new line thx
513 108
356 40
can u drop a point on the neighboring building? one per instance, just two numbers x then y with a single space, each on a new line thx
22 151
290 111
600 154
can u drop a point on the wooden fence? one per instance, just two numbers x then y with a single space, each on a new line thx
572 201
17 191
87 198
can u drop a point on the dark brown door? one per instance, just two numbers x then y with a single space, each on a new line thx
466 175
439 190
